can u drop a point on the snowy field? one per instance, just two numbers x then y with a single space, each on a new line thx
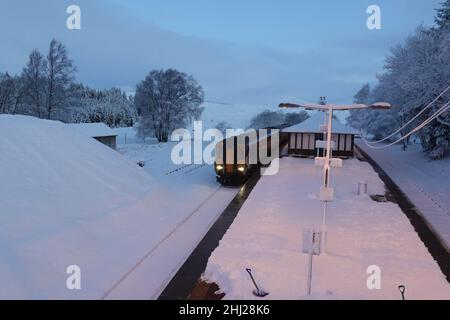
69 200
266 236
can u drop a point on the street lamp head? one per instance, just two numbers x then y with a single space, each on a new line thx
288 105
380 105
315 106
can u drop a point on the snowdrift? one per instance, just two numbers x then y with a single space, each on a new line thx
66 199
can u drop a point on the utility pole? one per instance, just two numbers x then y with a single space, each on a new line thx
326 191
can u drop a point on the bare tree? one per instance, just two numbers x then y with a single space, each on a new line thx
18 95
167 100
59 73
11 93
6 92
33 76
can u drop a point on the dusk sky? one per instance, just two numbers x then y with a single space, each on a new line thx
242 52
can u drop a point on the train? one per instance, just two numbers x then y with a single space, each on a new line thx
237 157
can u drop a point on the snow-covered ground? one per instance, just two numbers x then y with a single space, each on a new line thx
266 236
425 182
67 199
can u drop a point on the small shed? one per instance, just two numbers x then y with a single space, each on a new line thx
99 131
305 137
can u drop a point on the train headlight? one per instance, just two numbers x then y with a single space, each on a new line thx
241 169
219 167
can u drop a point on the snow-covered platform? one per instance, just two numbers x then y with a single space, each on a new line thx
266 236
426 183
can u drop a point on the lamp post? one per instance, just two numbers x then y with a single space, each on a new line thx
326 192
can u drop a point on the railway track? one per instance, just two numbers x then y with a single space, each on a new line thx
186 280
188 168
160 242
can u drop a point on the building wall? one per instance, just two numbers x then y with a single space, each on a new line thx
304 144
110 141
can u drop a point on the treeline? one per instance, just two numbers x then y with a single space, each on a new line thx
270 118
46 88
415 73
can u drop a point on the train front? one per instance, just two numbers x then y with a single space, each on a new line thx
228 167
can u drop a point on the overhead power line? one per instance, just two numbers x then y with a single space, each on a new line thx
423 124
410 121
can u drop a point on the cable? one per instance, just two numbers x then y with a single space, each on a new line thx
423 124
409 122
443 122
426 122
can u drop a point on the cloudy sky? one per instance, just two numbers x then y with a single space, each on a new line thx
241 51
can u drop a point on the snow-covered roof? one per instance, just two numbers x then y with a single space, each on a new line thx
312 125
93 130
77 203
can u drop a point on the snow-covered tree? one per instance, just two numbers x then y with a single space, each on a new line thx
18 94
421 68
6 92
267 119
111 107
222 127
292 118
45 89
11 94
443 15
415 73
356 118
167 100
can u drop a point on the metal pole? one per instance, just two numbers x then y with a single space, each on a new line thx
323 237
310 264
326 177
328 153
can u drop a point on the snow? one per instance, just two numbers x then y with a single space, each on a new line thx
193 187
266 236
425 182
312 125
382 104
93 130
69 200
